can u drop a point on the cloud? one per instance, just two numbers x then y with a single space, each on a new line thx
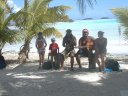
13 5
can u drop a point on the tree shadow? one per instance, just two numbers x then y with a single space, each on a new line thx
26 80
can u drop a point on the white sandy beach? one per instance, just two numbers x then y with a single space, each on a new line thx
26 80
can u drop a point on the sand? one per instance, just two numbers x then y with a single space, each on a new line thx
26 80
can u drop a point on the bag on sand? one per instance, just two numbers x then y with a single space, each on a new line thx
56 65
47 65
58 60
2 62
112 64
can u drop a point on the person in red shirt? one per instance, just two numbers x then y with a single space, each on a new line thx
54 49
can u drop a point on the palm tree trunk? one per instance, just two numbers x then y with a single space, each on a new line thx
24 51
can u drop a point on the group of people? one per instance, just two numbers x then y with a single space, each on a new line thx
94 49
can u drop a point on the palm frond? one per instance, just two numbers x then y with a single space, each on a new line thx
38 5
122 16
10 36
52 32
5 6
58 13
83 4
125 33
2 4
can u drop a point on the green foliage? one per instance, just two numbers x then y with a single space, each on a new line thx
122 16
7 35
52 31
83 4
40 17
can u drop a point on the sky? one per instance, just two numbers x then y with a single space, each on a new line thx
100 9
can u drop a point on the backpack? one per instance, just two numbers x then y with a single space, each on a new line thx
47 65
40 43
56 65
2 62
112 64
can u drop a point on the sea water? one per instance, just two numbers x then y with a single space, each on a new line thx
116 43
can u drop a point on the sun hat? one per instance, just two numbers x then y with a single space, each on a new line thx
85 31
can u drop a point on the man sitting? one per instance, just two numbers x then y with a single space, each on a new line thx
86 44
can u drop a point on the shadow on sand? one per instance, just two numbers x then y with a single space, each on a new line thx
26 80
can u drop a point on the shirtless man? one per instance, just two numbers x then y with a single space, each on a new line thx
87 46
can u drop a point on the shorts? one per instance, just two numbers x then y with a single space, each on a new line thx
100 53
41 50
68 53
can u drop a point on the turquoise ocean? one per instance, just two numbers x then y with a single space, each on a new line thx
116 43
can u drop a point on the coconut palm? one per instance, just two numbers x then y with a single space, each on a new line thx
39 17
122 16
6 34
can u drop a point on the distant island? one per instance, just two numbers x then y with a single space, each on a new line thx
88 19
70 20
104 18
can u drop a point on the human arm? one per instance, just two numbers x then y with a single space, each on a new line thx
80 44
36 44
105 43
63 42
45 43
96 46
57 48
75 41
50 48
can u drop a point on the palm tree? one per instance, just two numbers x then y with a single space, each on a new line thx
6 34
37 16
122 16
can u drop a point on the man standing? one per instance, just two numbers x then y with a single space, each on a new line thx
86 44
100 47
69 42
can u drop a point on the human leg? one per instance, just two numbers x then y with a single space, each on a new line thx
52 58
42 58
72 58
72 61
98 61
40 61
90 59
93 61
62 61
78 60
102 60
